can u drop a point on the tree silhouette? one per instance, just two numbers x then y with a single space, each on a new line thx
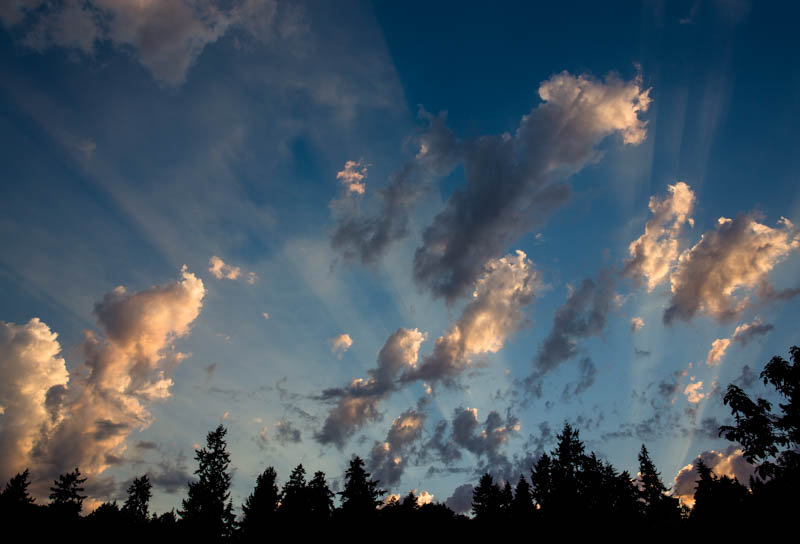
294 498
208 510
522 506
658 507
320 498
137 504
717 499
486 500
260 507
65 495
16 492
361 495
767 438
542 482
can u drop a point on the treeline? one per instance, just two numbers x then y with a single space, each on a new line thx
566 488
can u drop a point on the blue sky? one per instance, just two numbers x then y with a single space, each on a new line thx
137 139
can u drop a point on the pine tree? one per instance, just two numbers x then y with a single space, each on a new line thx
659 508
542 482
65 496
294 498
138 501
208 510
16 491
486 500
522 506
361 495
320 498
260 507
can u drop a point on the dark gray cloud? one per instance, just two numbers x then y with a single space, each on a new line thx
146 445
587 374
388 459
747 378
583 314
461 499
750 331
357 403
639 353
287 433
365 237
512 180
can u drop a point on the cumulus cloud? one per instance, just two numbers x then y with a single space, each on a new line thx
636 324
505 287
693 392
729 463
746 332
461 499
31 367
717 351
512 180
166 37
654 254
357 403
221 270
353 175
340 344
388 459
737 256
485 323
90 413
583 314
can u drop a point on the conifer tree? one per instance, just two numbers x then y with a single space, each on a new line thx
522 506
658 507
294 498
361 495
65 495
16 492
260 507
486 499
208 510
138 501
320 498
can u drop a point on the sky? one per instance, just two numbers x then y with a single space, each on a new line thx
426 234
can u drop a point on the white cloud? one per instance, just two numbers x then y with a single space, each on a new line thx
90 415
30 366
636 324
729 463
353 175
745 332
694 392
654 253
221 270
735 257
717 351
340 344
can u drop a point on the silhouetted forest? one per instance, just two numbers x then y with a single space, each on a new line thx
566 488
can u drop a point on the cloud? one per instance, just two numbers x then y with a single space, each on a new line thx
90 414
353 175
654 253
636 324
460 501
388 459
505 287
587 374
357 403
31 367
717 351
734 257
340 344
495 312
729 463
746 332
747 378
287 433
512 180
693 392
367 237
166 37
583 314
358 235
221 270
